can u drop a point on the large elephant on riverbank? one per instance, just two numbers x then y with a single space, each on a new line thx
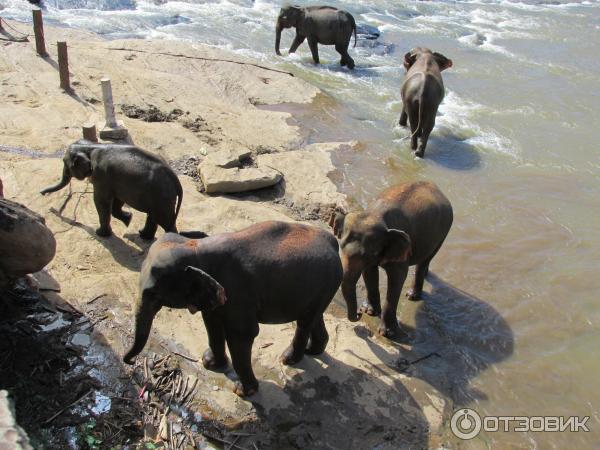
405 226
319 25
270 272
124 174
422 92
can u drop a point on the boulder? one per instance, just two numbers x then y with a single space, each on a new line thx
227 158
26 244
220 180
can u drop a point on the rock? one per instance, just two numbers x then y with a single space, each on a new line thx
12 436
26 244
219 180
365 31
306 173
228 158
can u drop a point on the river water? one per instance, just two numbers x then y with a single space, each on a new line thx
515 148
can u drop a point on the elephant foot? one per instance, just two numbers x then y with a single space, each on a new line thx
289 357
316 347
403 121
245 390
391 332
211 363
419 153
414 295
104 232
146 235
351 65
369 309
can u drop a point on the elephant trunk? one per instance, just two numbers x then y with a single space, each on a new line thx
349 291
66 178
143 323
278 29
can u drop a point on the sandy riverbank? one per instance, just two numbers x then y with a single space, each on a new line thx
355 395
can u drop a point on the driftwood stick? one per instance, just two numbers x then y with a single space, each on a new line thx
68 406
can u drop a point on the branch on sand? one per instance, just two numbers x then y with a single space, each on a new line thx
180 55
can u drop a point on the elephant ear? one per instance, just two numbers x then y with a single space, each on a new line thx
81 166
398 247
336 222
409 59
443 62
206 285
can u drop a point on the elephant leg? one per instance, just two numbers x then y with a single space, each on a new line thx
297 348
426 130
103 207
342 51
240 349
149 229
413 118
318 338
396 275
214 357
414 294
372 306
118 213
314 49
298 40
403 118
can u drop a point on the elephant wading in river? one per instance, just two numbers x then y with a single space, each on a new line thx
125 174
319 25
270 272
405 226
422 92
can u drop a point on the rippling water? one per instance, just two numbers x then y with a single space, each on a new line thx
515 148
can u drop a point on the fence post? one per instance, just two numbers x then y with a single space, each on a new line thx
63 65
89 132
38 29
112 129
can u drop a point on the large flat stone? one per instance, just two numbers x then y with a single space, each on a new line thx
219 180
227 158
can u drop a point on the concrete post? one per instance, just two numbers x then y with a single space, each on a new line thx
63 66
112 129
89 132
38 29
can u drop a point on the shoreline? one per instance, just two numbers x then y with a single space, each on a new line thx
355 382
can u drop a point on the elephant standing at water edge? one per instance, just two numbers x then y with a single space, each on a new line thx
406 225
422 92
271 272
319 25
124 174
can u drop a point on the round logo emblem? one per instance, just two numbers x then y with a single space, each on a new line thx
465 424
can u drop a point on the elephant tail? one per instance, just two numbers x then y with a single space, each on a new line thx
353 28
179 197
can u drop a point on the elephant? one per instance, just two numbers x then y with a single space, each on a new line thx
124 174
422 92
271 272
405 226
319 25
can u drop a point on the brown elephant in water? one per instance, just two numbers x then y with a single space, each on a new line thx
319 25
405 226
270 272
422 92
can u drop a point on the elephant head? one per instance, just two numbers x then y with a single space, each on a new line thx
288 18
76 163
188 287
416 53
365 242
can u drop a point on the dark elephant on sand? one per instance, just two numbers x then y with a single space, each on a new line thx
405 226
319 25
124 174
422 92
270 272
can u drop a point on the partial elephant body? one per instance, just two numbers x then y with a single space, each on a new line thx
422 92
125 174
271 272
319 25
405 226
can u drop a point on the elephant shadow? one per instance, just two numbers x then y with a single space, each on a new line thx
331 404
456 337
451 151
123 253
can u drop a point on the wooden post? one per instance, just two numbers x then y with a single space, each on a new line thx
63 65
38 29
89 132
0 23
